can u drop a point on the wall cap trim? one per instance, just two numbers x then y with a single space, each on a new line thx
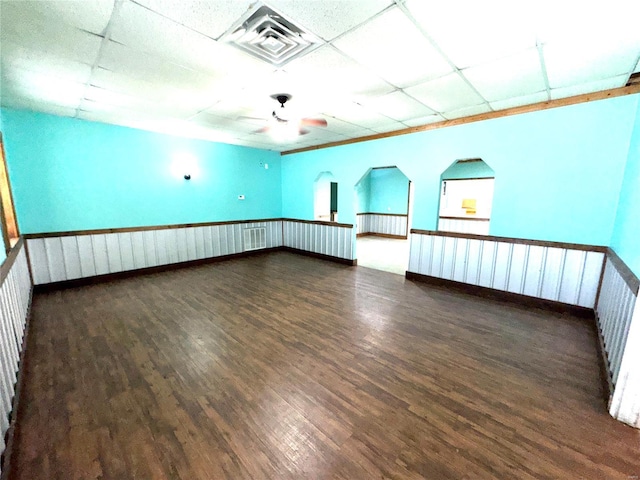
384 214
625 272
6 266
473 219
520 241
103 231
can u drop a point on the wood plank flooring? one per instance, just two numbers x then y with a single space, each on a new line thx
281 366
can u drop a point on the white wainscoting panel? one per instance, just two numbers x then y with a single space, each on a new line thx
625 403
385 224
563 275
55 259
15 293
615 310
462 225
325 239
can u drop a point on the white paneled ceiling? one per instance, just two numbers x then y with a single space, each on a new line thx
382 65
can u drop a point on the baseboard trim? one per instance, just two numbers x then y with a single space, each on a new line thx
516 298
109 277
14 425
603 362
384 235
331 258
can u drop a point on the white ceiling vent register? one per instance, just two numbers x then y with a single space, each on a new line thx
268 35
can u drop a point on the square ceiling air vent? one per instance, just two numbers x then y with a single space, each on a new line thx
269 36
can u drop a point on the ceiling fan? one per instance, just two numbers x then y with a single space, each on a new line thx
282 120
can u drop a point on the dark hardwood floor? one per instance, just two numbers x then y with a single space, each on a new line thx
286 367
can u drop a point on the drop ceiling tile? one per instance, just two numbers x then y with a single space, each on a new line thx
418 122
152 92
445 94
569 21
336 125
357 115
212 18
166 107
227 124
466 112
397 105
91 16
21 103
39 87
471 33
404 57
346 76
36 32
15 56
598 85
133 63
520 101
390 127
147 31
574 63
328 19
512 76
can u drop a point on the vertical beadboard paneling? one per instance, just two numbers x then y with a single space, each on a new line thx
560 274
71 257
100 256
387 224
615 310
56 259
126 250
39 263
325 239
113 252
15 294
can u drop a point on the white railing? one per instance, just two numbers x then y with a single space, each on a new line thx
15 295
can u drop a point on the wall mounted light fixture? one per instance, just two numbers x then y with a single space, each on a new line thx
185 166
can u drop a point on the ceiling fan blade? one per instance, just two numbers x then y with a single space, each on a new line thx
313 122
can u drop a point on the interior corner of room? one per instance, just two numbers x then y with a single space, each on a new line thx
343 261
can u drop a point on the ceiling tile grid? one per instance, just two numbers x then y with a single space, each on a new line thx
382 65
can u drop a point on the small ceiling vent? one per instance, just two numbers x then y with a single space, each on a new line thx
269 36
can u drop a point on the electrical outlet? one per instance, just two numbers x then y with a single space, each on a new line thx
240 197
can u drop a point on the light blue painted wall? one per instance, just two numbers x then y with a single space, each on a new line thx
468 170
625 240
389 191
558 171
363 194
70 174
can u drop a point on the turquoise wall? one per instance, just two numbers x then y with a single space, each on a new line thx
363 194
389 191
625 240
558 171
468 170
70 174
